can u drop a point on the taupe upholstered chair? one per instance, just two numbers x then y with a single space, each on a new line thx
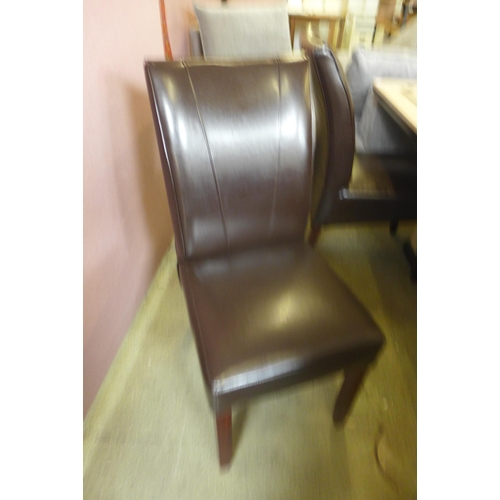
236 145
349 186
241 31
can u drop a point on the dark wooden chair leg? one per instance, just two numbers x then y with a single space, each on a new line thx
224 437
393 226
314 235
353 376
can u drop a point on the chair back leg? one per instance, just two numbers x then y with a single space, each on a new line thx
314 235
353 377
224 437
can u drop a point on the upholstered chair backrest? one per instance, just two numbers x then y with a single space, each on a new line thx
244 31
386 62
236 149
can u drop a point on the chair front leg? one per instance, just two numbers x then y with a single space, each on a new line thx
224 437
353 377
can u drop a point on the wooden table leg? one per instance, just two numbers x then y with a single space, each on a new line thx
341 33
393 226
353 376
292 30
331 30
224 437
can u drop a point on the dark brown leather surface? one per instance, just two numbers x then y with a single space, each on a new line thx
352 187
236 147
238 151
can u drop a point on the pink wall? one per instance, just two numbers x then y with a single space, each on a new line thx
126 221
180 14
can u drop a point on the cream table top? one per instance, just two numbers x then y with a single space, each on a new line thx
399 97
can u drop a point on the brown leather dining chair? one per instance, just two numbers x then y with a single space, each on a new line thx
236 144
348 186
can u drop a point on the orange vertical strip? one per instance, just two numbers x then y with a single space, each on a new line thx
166 42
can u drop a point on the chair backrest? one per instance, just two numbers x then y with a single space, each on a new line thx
235 143
335 129
244 31
386 62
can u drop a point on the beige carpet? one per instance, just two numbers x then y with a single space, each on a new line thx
150 433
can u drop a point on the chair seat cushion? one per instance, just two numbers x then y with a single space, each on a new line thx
270 317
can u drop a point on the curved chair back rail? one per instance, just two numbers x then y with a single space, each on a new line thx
333 171
236 145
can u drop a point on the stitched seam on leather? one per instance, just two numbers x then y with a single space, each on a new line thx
202 123
276 176
168 163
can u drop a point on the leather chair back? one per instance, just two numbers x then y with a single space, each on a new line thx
242 142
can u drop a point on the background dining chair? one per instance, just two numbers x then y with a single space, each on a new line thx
236 145
241 31
352 186
376 131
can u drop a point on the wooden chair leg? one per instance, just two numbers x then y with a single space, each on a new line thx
353 376
314 235
224 437
393 226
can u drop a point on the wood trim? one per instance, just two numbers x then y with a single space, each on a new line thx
166 42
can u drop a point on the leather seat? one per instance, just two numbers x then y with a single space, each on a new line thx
236 145
271 314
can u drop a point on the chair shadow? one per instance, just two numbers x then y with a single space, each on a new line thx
149 173
240 413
